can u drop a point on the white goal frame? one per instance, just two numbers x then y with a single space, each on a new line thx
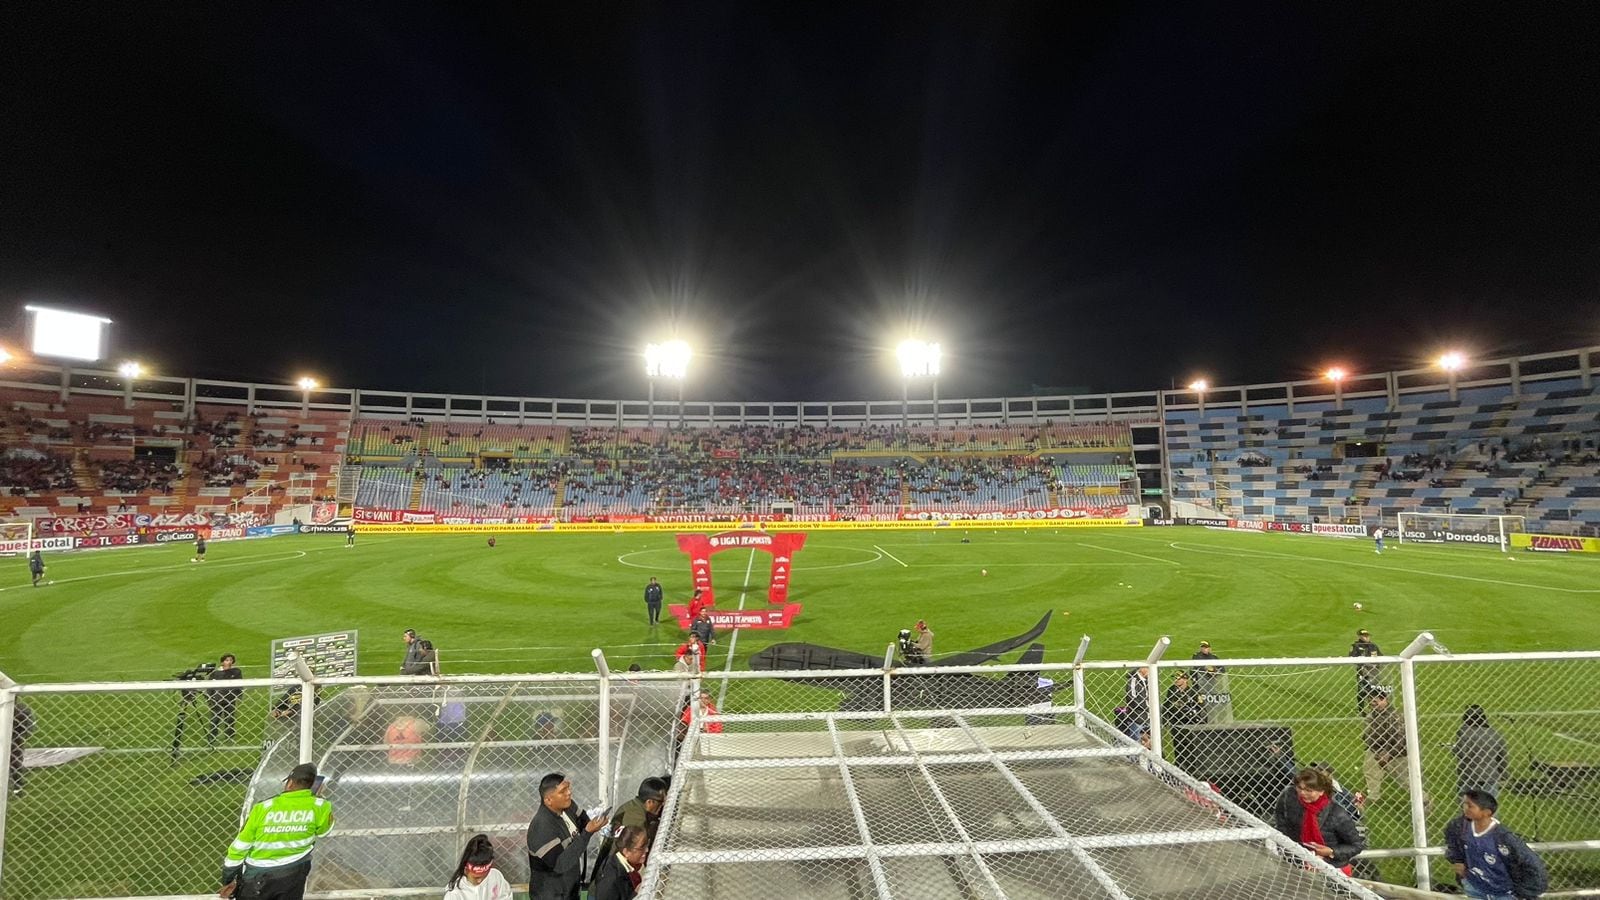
1504 526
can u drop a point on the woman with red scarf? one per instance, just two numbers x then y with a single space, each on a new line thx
1307 815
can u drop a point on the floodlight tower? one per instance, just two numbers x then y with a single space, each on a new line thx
1337 376
1453 362
1199 387
307 385
666 360
129 371
918 359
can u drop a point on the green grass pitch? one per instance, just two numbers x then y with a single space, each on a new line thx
540 602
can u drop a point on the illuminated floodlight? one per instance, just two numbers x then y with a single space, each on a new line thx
307 384
1199 385
1336 374
919 359
5 356
130 369
667 360
1454 361
66 335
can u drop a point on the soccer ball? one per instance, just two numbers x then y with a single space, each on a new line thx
983 571
1356 607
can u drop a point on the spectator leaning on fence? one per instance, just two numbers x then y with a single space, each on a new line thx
271 857
1492 861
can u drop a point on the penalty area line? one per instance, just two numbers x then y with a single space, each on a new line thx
890 555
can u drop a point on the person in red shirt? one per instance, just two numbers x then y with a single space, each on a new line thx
696 604
693 653
703 708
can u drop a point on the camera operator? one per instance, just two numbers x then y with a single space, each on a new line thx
918 651
224 702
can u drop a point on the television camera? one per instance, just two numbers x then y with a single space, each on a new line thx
201 672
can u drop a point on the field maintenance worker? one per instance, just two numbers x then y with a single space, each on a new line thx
271 857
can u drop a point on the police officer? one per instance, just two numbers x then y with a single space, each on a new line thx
271 857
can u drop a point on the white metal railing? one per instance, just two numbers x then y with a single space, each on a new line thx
1544 703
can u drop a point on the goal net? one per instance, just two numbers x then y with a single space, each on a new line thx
16 537
1452 528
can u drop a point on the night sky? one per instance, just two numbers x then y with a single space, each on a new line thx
1071 196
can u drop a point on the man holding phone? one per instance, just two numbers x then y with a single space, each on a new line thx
558 841
271 857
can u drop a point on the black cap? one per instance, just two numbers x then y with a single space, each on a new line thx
306 772
1363 633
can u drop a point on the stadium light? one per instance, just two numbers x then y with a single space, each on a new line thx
1452 362
1199 386
1337 376
129 371
918 359
669 360
307 385
5 356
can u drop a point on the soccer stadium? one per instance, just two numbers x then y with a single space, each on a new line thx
1023 647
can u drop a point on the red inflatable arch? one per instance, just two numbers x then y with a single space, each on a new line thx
781 546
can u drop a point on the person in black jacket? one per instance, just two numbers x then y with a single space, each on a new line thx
1306 814
652 600
616 876
558 841
1491 860
224 703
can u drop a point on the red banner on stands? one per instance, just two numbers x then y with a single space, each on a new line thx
724 454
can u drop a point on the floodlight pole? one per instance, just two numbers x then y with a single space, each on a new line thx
1454 394
905 402
681 424
305 402
127 392
650 415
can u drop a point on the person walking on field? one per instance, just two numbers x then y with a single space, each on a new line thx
36 566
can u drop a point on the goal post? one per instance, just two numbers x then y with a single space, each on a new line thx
1458 528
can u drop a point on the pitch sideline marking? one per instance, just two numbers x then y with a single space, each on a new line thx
1576 739
1259 554
733 641
890 555
294 554
1131 553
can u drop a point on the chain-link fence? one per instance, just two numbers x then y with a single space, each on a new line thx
1017 781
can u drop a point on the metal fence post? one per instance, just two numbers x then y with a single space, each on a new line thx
308 710
8 712
1419 812
1077 681
605 725
1152 687
888 686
